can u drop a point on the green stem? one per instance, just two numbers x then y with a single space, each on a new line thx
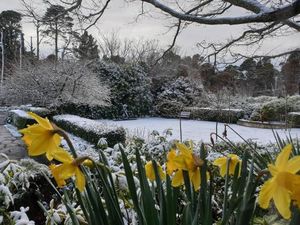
226 189
63 134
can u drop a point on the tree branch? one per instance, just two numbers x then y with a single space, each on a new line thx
279 14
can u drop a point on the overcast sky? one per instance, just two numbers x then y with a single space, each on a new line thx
121 18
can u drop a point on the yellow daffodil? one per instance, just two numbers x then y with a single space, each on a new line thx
222 163
68 169
41 138
150 173
282 186
186 160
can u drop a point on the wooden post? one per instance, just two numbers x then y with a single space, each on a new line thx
180 128
2 64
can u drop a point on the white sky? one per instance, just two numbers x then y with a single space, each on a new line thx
121 17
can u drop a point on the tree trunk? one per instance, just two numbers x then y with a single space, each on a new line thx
56 41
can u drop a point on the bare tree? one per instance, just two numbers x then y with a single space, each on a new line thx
262 18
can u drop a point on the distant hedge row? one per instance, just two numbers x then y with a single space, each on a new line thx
220 115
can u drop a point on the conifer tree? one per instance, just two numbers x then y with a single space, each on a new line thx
87 47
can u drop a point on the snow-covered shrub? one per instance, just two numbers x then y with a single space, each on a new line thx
174 96
276 109
129 86
90 130
18 183
46 83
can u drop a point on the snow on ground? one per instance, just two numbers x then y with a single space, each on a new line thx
199 130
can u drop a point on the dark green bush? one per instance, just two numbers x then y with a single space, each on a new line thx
129 86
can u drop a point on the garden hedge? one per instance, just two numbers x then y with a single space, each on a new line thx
90 130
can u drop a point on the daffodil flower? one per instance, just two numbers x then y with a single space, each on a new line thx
68 169
41 137
282 186
186 160
150 173
222 164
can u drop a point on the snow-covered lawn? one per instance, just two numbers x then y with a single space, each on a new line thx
198 130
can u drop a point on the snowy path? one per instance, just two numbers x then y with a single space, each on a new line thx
198 130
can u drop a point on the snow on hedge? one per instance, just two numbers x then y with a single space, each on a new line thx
19 118
90 130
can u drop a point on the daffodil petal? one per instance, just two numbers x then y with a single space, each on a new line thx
283 157
293 165
220 161
150 171
179 162
43 122
55 170
266 194
27 139
232 166
223 170
65 171
184 150
178 179
282 200
171 167
62 155
196 179
80 179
